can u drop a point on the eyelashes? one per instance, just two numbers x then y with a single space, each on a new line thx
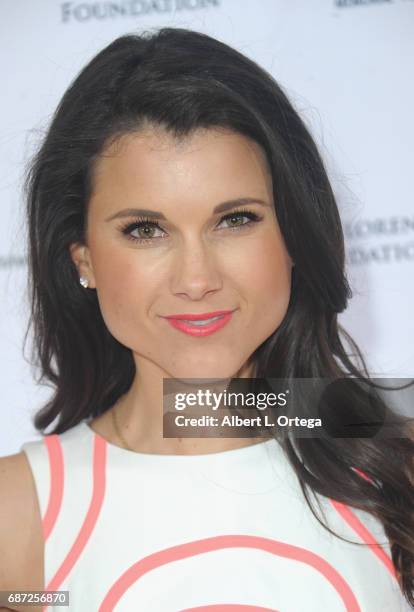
146 222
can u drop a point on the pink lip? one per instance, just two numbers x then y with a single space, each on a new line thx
199 317
177 322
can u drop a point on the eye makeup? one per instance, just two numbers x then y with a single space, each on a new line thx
145 222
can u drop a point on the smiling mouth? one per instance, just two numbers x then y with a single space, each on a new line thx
200 327
198 322
202 316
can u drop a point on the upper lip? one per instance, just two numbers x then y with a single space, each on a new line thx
198 317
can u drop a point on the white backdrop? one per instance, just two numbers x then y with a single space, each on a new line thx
347 67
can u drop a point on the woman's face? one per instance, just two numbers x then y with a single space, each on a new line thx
192 260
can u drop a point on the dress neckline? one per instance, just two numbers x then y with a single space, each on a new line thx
245 452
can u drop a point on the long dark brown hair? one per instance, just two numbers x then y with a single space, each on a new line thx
183 80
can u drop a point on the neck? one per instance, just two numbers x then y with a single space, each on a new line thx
144 416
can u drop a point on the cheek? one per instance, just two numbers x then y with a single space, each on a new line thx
124 291
263 273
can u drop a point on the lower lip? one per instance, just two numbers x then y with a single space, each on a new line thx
205 330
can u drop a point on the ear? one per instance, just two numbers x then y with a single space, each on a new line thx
81 258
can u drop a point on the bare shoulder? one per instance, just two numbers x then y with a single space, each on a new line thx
21 537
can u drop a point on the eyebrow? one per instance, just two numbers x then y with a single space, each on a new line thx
154 214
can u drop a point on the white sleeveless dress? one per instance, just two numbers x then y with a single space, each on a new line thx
138 532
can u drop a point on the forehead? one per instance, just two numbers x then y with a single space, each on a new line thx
153 169
211 152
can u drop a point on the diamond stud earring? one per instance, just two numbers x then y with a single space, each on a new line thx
83 281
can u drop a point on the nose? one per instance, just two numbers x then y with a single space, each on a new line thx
195 271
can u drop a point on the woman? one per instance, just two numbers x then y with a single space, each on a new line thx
176 181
